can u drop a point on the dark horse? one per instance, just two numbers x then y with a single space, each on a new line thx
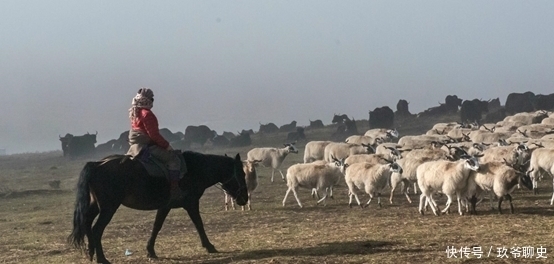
104 185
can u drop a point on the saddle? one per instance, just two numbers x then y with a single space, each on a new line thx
157 168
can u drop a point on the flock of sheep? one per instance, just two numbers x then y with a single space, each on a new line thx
460 161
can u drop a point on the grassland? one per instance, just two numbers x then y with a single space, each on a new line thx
35 219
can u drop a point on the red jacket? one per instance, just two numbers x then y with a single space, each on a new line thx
147 123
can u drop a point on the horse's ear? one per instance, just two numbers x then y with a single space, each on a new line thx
226 155
237 157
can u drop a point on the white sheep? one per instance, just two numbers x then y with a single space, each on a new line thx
357 139
315 150
394 154
387 134
314 176
448 177
542 161
411 162
527 118
251 178
272 157
372 178
513 154
498 178
481 136
341 150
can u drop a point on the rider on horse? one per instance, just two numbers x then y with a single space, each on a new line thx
145 133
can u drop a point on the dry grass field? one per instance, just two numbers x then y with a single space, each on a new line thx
36 218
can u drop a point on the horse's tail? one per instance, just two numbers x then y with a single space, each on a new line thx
82 204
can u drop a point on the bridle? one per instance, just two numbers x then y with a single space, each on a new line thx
234 177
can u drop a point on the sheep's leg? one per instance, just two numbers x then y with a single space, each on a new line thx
511 205
552 200
415 187
315 193
491 199
500 199
249 200
286 194
296 196
272 174
323 199
379 199
448 203
350 200
368 201
393 182
331 192
458 199
282 176
534 175
406 194
357 200
421 198
433 204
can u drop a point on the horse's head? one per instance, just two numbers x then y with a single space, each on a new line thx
236 184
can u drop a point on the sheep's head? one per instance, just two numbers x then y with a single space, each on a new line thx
369 148
394 153
393 133
471 162
291 148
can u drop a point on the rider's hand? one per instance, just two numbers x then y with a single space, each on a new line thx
169 148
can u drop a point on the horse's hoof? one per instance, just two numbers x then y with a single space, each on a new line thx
152 255
212 249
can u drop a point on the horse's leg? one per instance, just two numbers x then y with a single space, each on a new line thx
194 213
91 214
106 214
161 214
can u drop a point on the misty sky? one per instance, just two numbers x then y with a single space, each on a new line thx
74 66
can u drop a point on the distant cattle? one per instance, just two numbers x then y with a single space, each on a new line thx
494 105
433 111
544 102
169 136
339 119
288 127
108 147
220 141
77 146
268 128
229 135
197 134
122 144
242 140
345 130
473 110
452 103
297 135
65 143
519 102
402 108
316 124
496 115
249 131
381 117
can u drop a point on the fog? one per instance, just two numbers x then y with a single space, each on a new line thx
74 66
